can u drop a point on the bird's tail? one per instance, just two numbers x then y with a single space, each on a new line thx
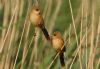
45 32
62 59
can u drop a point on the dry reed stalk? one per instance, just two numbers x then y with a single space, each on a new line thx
98 33
66 43
85 4
86 45
26 20
65 36
21 9
5 23
76 20
25 45
54 16
96 30
48 10
34 50
90 62
10 48
77 50
97 41
81 31
35 47
46 14
73 21
6 38
25 55
79 46
19 45
25 50
69 35
97 67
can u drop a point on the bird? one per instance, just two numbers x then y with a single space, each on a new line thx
37 20
58 44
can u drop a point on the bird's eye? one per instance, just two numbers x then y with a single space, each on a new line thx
54 34
37 9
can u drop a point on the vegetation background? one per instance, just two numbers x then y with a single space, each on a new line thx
24 47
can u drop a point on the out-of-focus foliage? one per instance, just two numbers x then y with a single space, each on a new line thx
23 46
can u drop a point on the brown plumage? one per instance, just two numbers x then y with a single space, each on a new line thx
37 20
58 44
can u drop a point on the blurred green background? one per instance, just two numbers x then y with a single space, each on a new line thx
77 20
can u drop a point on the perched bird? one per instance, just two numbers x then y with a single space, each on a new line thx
37 20
58 45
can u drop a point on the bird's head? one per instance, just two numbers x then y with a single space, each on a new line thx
35 10
56 35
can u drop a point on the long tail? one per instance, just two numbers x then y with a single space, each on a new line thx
62 59
45 32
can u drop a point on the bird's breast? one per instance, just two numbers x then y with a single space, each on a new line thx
35 19
57 44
